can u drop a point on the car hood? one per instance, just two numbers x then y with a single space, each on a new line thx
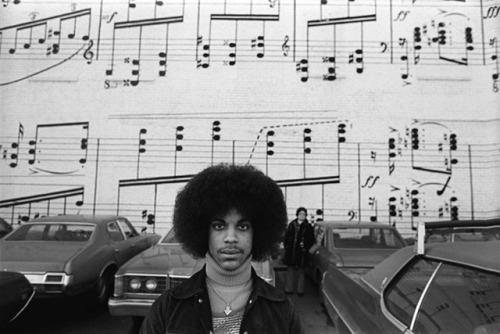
365 258
28 256
163 259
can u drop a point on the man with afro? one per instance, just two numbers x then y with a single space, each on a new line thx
229 215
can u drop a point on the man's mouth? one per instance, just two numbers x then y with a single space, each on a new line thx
230 251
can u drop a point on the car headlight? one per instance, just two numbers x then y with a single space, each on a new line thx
134 283
151 284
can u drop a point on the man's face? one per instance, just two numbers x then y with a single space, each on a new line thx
230 239
301 216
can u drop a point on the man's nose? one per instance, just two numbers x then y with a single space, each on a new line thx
231 235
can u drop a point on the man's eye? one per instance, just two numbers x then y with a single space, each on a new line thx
218 227
245 227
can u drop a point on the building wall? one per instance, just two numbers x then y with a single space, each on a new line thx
362 110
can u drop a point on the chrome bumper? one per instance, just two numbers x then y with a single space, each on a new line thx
131 307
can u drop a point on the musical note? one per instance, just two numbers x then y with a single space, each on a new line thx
45 197
204 50
178 148
303 69
215 137
15 156
141 149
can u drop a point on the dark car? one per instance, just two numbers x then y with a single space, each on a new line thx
15 294
352 247
141 280
71 254
430 288
5 228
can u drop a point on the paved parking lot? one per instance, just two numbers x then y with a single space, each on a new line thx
312 313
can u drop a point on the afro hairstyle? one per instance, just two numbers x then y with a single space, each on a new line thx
219 188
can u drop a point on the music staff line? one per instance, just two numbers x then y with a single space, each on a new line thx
455 57
196 151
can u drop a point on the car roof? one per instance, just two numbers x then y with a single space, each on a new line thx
465 253
343 224
94 219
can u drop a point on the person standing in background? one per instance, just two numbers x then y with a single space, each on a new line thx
299 237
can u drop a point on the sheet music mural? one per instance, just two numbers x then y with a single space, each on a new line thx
362 110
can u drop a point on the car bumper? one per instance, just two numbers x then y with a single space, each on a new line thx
129 307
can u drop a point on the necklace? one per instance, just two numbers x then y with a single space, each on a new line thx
228 309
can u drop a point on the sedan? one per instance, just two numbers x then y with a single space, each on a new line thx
431 288
69 255
144 278
15 294
353 247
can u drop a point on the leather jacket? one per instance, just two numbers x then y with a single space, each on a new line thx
186 309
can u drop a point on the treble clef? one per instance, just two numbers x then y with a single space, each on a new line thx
89 55
285 47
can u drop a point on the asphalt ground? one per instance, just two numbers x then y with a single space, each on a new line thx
313 315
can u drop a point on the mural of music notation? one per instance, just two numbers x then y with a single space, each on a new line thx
142 41
362 110
422 171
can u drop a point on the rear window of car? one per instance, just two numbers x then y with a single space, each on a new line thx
170 238
363 237
53 232
438 297
462 234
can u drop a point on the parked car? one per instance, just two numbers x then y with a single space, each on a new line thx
141 280
70 255
430 288
5 228
463 230
15 294
353 247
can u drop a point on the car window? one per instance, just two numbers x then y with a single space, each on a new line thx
54 232
128 229
364 237
451 234
458 299
114 231
170 238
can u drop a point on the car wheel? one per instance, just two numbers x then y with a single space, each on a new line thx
102 289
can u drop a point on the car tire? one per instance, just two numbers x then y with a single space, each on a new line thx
102 289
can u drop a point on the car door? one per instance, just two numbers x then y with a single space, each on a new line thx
137 242
123 250
323 255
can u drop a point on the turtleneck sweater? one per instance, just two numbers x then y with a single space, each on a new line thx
228 287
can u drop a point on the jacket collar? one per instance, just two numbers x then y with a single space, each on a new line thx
197 284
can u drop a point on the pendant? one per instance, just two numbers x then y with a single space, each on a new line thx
227 310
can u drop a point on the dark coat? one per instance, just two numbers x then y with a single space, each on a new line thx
297 249
186 309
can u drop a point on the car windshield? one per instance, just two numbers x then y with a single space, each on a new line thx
437 297
365 237
462 234
170 238
53 232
